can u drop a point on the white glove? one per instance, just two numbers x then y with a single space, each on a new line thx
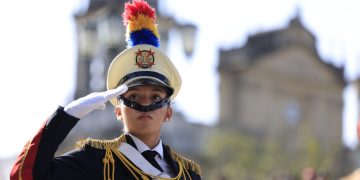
83 106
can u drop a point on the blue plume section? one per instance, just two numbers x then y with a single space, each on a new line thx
143 36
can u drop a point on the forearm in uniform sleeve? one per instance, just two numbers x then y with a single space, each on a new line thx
34 162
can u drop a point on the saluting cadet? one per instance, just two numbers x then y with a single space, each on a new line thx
141 83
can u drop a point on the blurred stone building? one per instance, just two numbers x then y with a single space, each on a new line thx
277 87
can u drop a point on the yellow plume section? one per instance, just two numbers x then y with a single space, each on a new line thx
140 22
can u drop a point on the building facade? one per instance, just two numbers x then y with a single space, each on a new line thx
276 87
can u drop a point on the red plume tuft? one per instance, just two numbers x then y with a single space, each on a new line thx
136 8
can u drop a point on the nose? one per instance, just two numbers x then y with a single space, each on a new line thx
145 101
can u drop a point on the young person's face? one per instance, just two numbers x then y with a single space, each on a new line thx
144 123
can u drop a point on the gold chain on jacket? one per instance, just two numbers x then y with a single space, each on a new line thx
112 146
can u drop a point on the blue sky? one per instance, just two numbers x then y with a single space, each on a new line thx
38 54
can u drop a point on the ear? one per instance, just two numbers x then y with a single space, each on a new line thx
118 113
168 114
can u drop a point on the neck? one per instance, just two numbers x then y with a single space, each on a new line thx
150 140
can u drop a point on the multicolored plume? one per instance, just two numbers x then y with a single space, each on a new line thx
139 19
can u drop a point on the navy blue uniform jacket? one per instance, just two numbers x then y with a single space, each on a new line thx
37 159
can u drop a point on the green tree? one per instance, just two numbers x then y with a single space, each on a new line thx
236 155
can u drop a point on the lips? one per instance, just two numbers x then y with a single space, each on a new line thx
145 116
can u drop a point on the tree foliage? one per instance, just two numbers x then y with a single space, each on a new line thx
233 155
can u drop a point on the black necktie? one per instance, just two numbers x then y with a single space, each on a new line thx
150 156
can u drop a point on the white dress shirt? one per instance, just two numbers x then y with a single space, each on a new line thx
141 146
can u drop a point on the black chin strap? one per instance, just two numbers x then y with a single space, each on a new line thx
142 108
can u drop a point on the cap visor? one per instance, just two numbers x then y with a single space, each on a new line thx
150 81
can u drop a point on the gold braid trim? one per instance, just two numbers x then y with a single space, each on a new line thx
23 159
111 146
187 163
101 144
135 171
108 146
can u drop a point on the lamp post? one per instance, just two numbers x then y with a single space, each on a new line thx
87 42
111 31
188 34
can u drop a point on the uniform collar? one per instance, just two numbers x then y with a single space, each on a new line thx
141 146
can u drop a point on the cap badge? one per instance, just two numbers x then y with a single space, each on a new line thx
145 58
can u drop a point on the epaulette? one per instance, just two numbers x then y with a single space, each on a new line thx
187 163
100 144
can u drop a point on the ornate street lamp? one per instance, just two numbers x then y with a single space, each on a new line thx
111 31
87 42
188 33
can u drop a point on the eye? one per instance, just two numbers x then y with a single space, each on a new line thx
133 97
157 97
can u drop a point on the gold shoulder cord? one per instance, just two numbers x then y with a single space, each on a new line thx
112 146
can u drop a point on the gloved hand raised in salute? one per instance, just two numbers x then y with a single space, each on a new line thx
83 106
